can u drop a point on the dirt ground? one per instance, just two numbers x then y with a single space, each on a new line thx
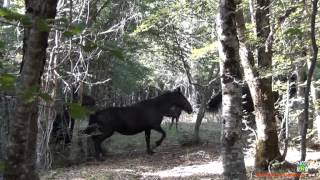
176 158
139 165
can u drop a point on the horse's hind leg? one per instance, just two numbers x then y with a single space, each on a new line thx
160 130
147 136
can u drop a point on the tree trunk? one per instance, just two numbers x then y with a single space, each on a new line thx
315 98
301 78
23 130
314 92
205 96
316 102
232 155
284 131
309 78
267 148
7 104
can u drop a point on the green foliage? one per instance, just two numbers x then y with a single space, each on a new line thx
153 19
14 16
2 166
31 94
2 45
108 47
77 111
89 47
74 29
7 81
143 51
42 25
113 49
45 96
128 75
317 105
203 51
293 31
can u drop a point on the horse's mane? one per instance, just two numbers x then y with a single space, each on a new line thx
163 96
158 99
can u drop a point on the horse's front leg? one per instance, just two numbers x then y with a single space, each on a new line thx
160 130
147 136
172 121
98 149
177 119
97 144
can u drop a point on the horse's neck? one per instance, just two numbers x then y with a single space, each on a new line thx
164 105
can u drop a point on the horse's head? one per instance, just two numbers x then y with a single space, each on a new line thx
182 102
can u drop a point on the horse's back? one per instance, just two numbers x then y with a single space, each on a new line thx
125 120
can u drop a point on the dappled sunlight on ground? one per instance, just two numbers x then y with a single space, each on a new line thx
196 162
210 168
127 159
294 155
181 162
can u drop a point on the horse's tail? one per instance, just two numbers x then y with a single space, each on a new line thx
215 102
93 127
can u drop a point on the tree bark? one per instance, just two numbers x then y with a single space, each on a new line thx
301 78
267 148
315 94
232 155
309 78
7 104
205 96
23 130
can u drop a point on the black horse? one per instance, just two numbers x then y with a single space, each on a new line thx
247 102
63 124
174 113
143 116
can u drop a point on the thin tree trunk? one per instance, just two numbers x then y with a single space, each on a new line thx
23 130
267 148
232 155
309 78
301 78
284 131
316 103
206 94
314 92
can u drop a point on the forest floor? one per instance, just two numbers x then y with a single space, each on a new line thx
176 158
